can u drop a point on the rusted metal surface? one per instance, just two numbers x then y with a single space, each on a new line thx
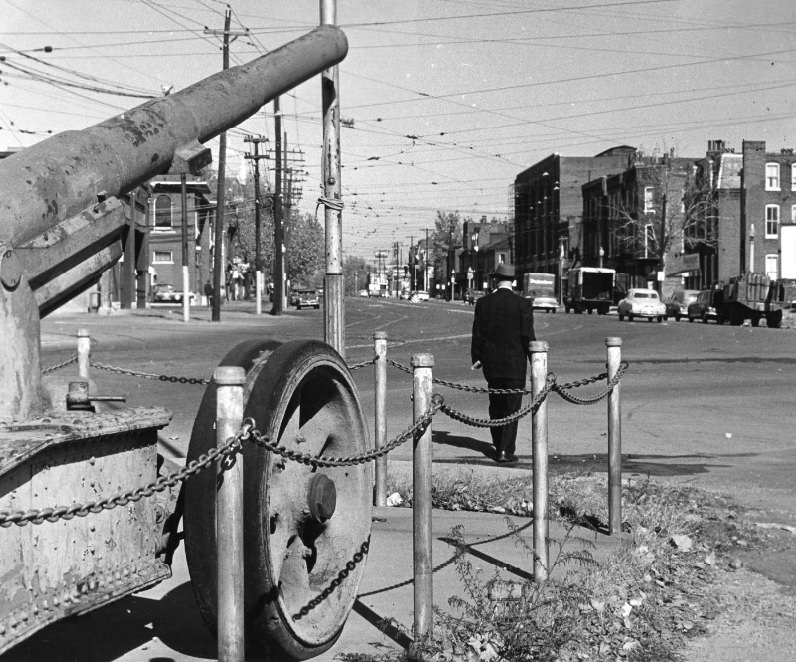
52 570
46 187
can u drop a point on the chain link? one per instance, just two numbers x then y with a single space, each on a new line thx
149 375
364 364
305 458
572 399
508 391
22 518
498 422
58 366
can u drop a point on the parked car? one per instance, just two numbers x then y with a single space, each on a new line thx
364 293
641 302
165 293
307 298
420 295
705 308
677 305
471 296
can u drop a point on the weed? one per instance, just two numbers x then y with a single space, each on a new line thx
639 604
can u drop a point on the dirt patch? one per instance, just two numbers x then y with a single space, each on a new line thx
756 621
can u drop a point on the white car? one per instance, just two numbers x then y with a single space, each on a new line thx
642 302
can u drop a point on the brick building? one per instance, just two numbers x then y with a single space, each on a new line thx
548 206
484 245
166 236
636 221
767 241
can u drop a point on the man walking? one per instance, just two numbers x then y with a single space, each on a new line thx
502 333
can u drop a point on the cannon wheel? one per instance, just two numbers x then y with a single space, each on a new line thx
306 530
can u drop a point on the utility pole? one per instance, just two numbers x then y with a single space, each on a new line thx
279 268
258 259
334 312
218 239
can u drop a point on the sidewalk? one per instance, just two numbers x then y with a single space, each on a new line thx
163 623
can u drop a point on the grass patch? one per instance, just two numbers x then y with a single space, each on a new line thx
639 604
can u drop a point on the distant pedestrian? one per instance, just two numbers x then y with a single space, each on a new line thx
209 293
502 333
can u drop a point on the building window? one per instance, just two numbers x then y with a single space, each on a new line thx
793 177
772 266
163 257
163 213
649 199
772 176
772 221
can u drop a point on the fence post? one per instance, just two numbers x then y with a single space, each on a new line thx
83 352
541 556
380 375
229 517
422 385
614 351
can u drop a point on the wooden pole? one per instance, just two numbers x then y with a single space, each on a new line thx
333 303
614 351
541 557
229 517
83 352
423 568
380 375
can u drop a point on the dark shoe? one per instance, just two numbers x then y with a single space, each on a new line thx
506 457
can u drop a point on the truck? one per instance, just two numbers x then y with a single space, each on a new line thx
540 288
756 296
590 288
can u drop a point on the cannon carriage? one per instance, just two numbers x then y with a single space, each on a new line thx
89 512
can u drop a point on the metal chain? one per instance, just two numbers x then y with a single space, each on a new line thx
572 399
150 375
22 518
364 364
508 391
305 458
58 366
342 575
498 422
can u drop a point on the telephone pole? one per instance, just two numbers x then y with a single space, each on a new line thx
279 268
218 238
333 303
258 260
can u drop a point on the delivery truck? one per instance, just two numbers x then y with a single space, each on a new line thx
540 288
590 288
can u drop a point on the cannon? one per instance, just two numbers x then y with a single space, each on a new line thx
69 546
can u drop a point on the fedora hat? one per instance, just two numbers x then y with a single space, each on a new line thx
504 271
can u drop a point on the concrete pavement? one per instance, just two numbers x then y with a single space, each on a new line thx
163 623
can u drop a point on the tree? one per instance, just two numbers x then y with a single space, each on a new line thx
304 245
446 237
671 213
355 274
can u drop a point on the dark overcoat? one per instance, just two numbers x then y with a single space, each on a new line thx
502 332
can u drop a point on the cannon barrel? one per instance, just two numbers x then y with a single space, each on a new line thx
60 219
64 175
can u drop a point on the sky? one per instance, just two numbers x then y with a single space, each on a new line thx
447 101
